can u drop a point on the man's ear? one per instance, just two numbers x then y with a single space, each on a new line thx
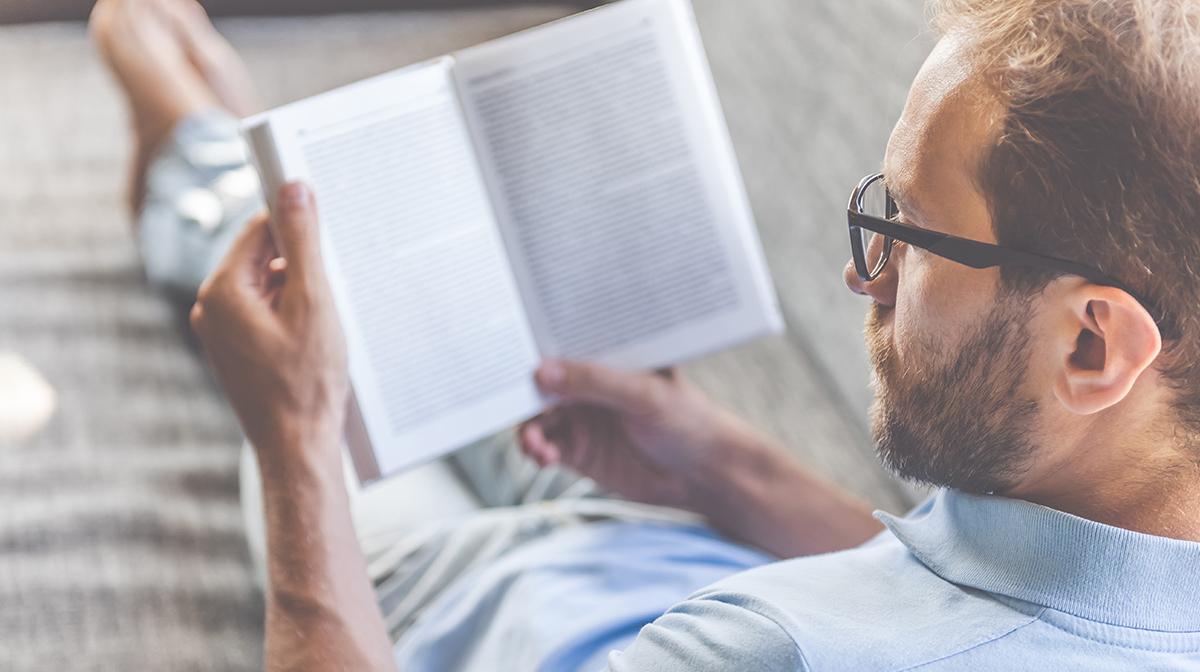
1109 340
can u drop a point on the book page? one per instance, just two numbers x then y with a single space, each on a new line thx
440 348
616 187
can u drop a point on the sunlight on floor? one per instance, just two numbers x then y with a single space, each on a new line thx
27 401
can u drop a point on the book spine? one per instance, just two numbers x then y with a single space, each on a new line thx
261 141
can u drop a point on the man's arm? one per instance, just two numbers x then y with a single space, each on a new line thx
269 329
753 491
654 438
321 610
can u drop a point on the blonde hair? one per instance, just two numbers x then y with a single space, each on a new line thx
1097 157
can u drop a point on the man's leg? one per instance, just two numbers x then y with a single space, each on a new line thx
170 64
191 190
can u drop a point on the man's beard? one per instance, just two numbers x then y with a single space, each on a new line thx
957 419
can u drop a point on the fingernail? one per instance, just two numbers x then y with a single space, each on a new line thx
294 193
552 374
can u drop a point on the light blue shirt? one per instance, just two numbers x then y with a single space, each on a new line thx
962 583
563 603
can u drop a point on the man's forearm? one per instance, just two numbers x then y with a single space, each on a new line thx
754 492
321 611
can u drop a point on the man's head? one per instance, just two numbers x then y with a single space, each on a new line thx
1068 128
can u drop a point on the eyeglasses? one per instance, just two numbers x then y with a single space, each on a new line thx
873 232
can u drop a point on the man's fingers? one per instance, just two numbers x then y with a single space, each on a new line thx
199 321
250 251
612 388
296 231
237 274
235 300
535 444
540 437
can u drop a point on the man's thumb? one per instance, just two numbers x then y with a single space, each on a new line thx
295 230
614 388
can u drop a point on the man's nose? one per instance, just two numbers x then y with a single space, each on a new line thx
855 283
882 289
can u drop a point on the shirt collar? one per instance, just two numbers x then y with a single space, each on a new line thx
1054 559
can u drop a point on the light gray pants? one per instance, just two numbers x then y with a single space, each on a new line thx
421 530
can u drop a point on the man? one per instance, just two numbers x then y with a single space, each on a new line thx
1035 333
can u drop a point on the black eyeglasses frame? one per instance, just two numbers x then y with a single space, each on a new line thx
965 251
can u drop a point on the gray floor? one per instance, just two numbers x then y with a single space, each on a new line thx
120 534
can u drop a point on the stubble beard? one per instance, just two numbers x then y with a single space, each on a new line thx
958 418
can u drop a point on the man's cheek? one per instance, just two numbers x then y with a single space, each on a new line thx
908 321
905 342
933 302
938 299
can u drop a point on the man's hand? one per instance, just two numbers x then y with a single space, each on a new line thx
267 322
646 436
654 438
269 328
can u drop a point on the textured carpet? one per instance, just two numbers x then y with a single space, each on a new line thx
120 533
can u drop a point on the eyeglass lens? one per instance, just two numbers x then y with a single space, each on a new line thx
875 202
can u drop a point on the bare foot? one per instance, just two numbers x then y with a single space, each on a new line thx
139 43
214 58
170 62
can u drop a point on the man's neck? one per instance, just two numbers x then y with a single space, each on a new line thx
1167 509
1130 481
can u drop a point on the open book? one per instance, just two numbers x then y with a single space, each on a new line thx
569 191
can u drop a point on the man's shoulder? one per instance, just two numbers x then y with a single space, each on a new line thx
877 602
874 607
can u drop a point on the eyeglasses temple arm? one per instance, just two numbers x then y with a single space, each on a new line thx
982 255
